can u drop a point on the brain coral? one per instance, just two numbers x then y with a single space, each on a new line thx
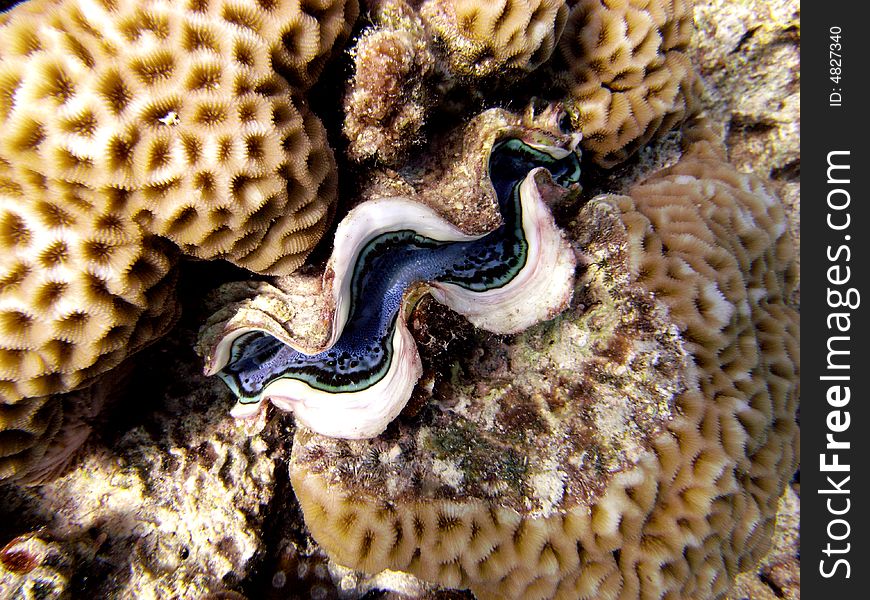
628 76
490 38
635 447
130 123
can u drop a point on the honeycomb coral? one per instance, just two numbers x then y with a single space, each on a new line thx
628 76
491 38
179 106
81 286
129 123
637 447
39 435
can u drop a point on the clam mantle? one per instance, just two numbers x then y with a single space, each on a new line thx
388 253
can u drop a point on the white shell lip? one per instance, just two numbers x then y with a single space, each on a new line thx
542 289
350 415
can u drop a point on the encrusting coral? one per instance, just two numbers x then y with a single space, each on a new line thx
635 447
390 92
176 508
627 72
129 123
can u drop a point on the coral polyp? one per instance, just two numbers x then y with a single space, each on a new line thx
388 252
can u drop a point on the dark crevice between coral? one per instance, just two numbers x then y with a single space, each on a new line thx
138 403
325 100
441 335
7 4
791 34
774 587
748 125
283 517
17 513
788 172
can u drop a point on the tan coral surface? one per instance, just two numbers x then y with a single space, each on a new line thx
176 104
494 38
628 75
623 469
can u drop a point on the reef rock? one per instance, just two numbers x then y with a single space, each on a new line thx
172 508
749 55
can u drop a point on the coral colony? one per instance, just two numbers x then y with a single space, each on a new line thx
136 132
620 422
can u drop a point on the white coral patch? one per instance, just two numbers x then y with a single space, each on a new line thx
717 308
448 472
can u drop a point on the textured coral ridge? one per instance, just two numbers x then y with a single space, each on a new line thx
628 76
127 123
635 447
178 105
388 252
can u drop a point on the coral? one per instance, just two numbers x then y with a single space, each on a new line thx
179 107
628 75
388 98
484 39
622 66
388 252
778 574
82 287
128 124
637 446
749 55
81 291
26 430
40 435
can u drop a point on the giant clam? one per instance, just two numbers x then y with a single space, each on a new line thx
388 253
